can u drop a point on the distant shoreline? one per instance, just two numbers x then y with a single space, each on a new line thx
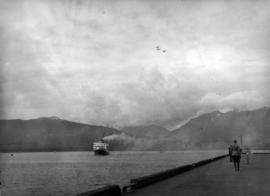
202 150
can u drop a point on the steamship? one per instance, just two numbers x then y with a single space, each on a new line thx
100 148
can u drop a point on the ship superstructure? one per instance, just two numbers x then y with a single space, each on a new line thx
100 147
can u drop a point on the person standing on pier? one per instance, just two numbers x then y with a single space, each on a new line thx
230 153
236 155
248 154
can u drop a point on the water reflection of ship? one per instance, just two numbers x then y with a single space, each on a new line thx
100 148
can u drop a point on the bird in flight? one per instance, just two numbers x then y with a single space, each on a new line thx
158 48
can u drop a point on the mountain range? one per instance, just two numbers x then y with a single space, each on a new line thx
215 130
49 134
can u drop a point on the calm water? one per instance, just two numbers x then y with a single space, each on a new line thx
70 173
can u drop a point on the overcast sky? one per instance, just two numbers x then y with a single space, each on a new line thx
98 62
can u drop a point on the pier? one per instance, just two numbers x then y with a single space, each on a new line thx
217 179
211 177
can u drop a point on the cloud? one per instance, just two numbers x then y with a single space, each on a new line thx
97 62
237 100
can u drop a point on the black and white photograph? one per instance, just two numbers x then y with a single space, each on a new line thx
134 97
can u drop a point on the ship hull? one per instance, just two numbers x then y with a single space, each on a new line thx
101 152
